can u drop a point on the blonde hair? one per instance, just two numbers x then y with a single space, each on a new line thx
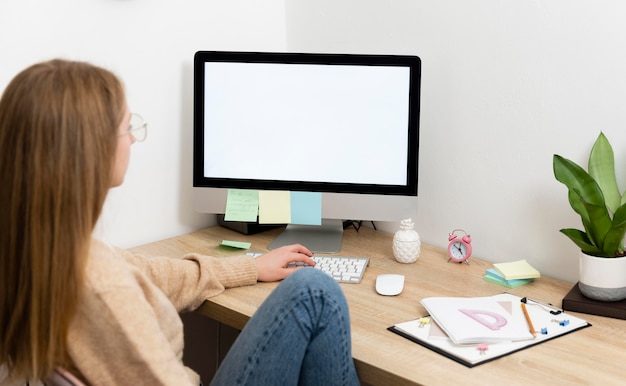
58 136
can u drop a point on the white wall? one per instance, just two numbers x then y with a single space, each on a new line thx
505 85
150 45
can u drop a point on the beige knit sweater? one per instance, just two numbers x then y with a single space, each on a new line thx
127 330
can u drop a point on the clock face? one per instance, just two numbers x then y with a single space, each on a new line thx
458 250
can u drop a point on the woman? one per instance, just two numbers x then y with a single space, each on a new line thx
108 316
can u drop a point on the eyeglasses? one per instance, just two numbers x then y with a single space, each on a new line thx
138 127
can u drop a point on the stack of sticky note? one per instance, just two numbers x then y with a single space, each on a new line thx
512 274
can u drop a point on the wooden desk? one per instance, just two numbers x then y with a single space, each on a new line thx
595 355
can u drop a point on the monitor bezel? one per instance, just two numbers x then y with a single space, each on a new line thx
409 61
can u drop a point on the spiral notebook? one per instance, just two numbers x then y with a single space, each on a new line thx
479 345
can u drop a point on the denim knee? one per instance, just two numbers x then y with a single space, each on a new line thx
314 279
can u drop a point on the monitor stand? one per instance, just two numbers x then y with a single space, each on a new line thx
325 238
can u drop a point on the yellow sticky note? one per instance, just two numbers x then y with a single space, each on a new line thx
520 269
274 207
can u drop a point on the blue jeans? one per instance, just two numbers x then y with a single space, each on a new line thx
299 335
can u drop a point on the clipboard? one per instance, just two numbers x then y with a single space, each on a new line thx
549 324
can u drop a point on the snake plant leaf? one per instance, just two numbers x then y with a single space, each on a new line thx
576 178
577 203
581 240
602 170
614 240
597 222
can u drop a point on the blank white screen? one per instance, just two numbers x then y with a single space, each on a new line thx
301 122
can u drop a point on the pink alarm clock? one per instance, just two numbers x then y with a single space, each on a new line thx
459 249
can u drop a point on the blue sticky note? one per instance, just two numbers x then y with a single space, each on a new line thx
306 208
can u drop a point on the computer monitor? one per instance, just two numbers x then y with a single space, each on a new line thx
344 125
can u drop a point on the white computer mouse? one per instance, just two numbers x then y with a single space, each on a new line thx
389 284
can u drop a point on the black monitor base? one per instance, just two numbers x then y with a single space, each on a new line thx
247 228
325 238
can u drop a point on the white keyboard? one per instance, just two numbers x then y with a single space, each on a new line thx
343 269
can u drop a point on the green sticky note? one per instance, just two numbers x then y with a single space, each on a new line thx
242 205
236 244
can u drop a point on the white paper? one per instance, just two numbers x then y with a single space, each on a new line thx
478 320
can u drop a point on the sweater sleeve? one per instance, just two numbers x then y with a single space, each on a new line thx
125 331
189 280
118 339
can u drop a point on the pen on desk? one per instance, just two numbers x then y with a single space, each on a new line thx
530 323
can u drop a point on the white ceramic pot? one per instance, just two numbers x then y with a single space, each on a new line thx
406 242
602 278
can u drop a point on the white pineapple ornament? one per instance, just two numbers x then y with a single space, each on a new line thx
406 242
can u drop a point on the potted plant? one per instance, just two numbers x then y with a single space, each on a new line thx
594 195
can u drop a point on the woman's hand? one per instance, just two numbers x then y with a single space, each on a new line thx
272 266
